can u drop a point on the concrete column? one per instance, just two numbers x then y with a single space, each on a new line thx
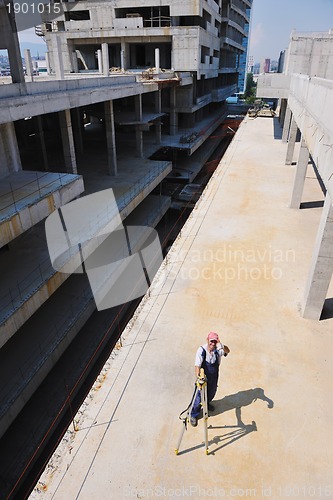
138 130
75 62
78 128
67 141
123 55
158 109
321 266
291 142
110 138
57 58
300 174
105 57
9 36
9 151
47 59
286 124
173 113
99 61
122 60
28 64
42 141
157 60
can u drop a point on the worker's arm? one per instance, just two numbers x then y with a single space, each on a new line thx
198 361
226 350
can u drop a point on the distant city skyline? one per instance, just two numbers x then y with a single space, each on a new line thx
273 22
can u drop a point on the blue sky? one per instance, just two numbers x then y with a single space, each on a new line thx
273 21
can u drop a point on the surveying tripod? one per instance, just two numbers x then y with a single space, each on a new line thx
200 385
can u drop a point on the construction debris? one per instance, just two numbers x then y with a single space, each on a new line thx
261 108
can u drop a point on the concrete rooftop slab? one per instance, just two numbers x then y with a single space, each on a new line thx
238 267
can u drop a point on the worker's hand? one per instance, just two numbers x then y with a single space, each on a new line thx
226 350
200 379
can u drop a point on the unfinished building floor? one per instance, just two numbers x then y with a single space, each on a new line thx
239 268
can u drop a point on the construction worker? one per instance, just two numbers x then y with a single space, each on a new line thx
208 357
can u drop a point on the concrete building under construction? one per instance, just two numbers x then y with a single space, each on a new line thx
238 268
132 94
305 91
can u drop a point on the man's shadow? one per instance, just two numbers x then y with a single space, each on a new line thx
236 402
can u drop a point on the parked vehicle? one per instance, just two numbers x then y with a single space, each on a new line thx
5 72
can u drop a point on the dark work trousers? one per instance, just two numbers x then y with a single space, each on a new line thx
212 374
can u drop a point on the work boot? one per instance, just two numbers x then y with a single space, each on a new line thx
193 421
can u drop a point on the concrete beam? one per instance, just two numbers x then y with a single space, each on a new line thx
321 269
301 168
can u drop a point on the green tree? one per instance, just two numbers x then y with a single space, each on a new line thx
250 89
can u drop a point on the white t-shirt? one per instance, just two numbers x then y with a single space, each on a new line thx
210 356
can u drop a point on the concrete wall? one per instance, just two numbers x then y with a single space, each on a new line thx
273 85
185 49
311 54
308 54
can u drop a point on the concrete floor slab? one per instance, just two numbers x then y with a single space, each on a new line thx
28 197
69 306
238 267
27 281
